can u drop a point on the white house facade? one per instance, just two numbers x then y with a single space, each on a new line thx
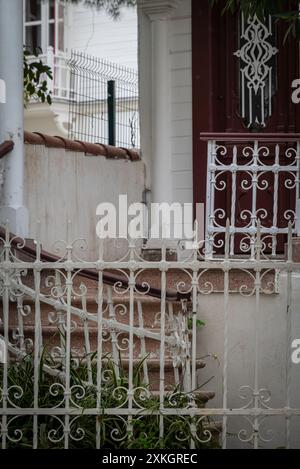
165 50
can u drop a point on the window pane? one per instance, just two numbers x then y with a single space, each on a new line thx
33 10
51 9
61 11
51 41
61 42
33 37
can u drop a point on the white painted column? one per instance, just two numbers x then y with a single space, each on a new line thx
161 113
156 50
12 207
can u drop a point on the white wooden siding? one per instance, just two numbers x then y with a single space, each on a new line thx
181 102
98 34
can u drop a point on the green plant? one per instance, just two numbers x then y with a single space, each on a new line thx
277 8
111 7
199 323
36 74
114 430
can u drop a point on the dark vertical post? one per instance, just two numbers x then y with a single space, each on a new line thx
111 109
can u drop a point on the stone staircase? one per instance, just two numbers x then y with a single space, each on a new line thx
116 310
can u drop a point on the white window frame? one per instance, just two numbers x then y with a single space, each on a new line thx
44 22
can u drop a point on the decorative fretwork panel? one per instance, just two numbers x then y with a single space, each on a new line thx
257 68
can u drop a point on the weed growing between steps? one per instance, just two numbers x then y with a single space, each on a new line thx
143 431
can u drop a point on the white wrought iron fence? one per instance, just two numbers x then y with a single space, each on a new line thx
99 353
251 180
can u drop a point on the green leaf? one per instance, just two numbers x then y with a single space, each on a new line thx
199 323
32 73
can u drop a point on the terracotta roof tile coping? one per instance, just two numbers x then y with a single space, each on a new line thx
96 149
6 147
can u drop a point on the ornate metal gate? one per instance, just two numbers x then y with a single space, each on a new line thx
98 356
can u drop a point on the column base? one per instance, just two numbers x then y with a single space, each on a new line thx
16 218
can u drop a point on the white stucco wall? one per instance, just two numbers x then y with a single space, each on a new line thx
64 185
51 120
273 349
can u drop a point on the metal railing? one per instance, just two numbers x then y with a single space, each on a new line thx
102 97
58 62
251 177
104 104
99 309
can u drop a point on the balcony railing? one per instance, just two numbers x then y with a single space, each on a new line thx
251 178
58 62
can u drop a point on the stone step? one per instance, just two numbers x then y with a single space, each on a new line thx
201 397
146 278
51 338
154 364
142 346
151 316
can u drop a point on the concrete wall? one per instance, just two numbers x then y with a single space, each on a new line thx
50 120
272 349
63 185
